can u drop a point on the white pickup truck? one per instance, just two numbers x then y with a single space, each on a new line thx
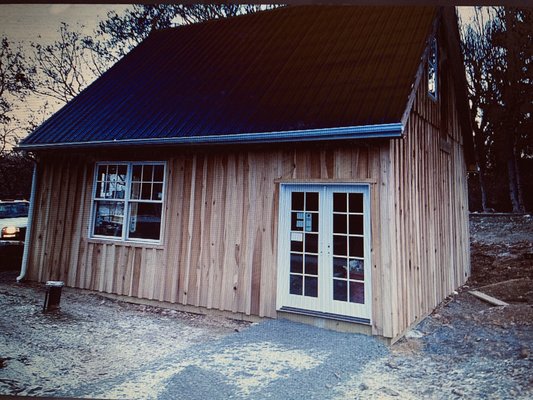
13 222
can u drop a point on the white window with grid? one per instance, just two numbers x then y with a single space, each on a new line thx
128 200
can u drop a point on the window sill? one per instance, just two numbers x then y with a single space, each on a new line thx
124 243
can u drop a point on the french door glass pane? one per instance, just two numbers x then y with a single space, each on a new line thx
339 202
357 292
340 289
356 202
296 284
339 223
348 247
304 248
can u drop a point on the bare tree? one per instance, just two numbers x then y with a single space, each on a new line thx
66 66
14 78
118 34
498 51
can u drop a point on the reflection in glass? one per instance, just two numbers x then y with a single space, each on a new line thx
296 284
339 267
340 289
297 221
311 286
311 265
357 269
145 220
108 218
296 263
357 292
137 173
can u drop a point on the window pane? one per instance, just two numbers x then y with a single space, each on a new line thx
311 243
158 173
102 172
135 190
297 221
157 191
356 246
339 223
357 269
311 286
339 202
146 191
137 173
116 188
297 263
147 173
297 201
108 218
100 193
356 224
145 220
311 201
296 284
340 289
339 245
297 242
357 292
339 267
122 170
356 202
311 265
314 222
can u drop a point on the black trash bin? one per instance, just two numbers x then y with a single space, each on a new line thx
53 295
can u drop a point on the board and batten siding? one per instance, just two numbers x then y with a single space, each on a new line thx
219 246
429 208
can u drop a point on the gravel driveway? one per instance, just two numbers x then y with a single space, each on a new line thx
101 348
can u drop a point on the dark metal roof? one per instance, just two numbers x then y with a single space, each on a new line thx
290 70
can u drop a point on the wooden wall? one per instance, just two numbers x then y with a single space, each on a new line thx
220 244
431 254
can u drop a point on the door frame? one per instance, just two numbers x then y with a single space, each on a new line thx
311 306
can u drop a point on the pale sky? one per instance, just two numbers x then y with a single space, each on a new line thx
25 22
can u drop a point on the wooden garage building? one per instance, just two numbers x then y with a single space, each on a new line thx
304 162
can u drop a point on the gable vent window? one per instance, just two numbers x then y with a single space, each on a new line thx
127 201
432 68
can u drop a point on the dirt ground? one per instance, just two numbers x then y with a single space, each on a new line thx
95 347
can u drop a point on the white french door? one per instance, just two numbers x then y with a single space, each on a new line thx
324 250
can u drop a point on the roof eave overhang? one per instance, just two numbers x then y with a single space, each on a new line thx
379 131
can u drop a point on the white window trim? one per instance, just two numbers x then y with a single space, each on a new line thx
127 200
433 44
